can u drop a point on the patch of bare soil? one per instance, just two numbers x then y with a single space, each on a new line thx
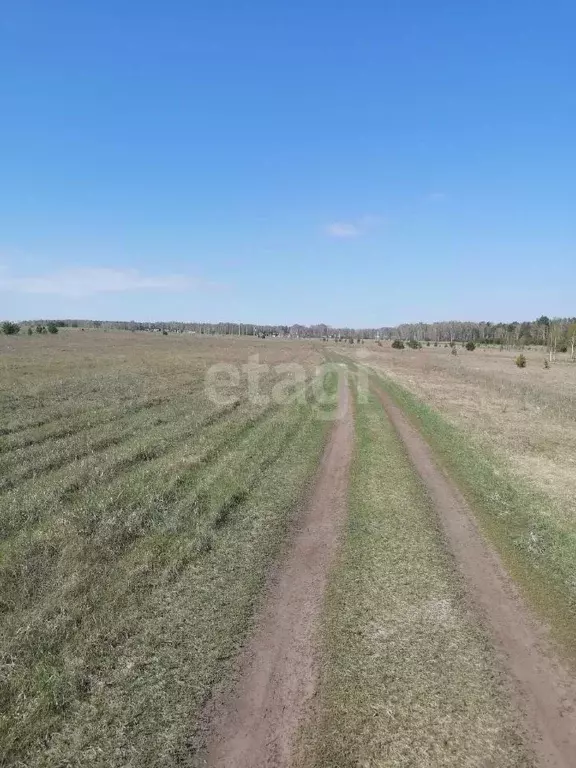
543 689
278 670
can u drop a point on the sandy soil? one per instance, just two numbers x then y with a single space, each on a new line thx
544 690
278 670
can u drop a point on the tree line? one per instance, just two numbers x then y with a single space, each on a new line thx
556 334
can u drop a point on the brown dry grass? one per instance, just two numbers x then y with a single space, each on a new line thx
527 416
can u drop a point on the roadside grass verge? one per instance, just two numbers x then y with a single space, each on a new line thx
407 678
538 548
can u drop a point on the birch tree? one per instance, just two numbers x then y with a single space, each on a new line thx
572 340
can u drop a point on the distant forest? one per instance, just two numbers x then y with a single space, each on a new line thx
557 332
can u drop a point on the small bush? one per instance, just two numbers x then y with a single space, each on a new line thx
454 351
397 344
413 344
52 328
164 333
10 329
521 361
470 346
563 348
40 329
30 332
546 364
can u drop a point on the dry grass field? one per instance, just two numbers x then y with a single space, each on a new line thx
137 521
526 415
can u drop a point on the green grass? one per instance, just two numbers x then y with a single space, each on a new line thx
138 524
406 678
538 549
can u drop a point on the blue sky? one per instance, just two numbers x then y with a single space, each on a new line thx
358 164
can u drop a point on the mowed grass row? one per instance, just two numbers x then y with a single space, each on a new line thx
126 429
536 542
407 678
129 576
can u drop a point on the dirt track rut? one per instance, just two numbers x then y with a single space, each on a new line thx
278 673
544 691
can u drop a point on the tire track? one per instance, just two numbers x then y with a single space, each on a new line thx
277 670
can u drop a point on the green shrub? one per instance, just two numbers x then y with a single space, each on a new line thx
470 346
52 328
413 344
454 351
30 331
40 329
521 361
397 344
10 329
546 364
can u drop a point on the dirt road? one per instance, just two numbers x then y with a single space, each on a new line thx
278 670
544 691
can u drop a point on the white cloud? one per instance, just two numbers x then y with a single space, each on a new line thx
86 281
355 228
342 229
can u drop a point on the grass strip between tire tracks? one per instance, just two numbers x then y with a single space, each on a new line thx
408 678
